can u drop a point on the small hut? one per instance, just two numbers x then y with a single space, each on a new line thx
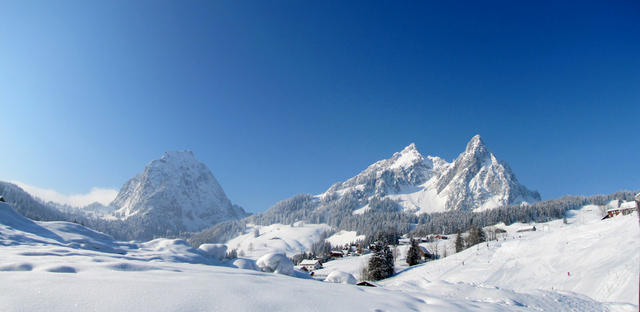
310 264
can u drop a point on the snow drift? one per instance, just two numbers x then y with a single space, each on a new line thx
276 263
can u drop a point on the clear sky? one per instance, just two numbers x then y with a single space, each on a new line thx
285 97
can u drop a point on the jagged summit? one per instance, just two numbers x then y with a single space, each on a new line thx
409 148
476 145
475 180
177 191
409 156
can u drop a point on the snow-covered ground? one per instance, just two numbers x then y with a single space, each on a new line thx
344 237
287 239
588 256
281 238
60 266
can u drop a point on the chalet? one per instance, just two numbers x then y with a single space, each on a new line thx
624 209
2 199
336 254
529 229
425 254
310 264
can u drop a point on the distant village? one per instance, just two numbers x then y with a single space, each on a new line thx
428 246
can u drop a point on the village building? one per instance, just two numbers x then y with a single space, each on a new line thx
336 254
310 264
425 254
624 209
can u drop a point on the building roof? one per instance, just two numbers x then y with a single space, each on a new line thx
626 205
309 262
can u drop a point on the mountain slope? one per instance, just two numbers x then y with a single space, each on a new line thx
27 205
476 180
582 256
175 193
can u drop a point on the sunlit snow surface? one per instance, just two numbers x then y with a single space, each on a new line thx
59 266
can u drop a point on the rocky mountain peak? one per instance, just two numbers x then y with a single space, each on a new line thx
177 191
475 180
476 147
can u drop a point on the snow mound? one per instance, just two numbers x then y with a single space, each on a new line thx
216 251
245 264
341 278
276 263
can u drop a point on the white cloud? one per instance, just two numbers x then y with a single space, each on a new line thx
101 195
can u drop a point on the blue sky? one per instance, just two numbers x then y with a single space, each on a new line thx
285 97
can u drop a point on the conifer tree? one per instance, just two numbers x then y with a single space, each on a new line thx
381 263
459 242
413 255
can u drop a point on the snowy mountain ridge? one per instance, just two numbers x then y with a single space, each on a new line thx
179 190
476 180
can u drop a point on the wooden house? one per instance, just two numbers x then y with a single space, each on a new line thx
310 264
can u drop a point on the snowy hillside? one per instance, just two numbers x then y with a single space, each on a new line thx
176 193
476 180
60 266
26 204
289 239
587 256
280 238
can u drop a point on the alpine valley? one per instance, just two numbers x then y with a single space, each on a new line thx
173 227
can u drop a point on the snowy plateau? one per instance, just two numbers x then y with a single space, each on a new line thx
587 264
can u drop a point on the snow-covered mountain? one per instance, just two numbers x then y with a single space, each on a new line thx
476 181
178 193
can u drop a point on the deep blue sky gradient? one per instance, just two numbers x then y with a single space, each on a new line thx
285 97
